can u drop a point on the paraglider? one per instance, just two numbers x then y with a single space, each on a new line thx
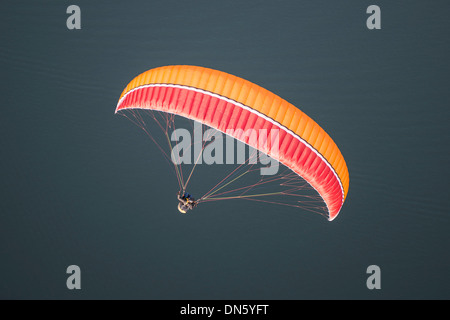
186 202
233 105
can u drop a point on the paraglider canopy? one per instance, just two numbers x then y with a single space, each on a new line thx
233 105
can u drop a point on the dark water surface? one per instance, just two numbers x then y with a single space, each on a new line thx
80 185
